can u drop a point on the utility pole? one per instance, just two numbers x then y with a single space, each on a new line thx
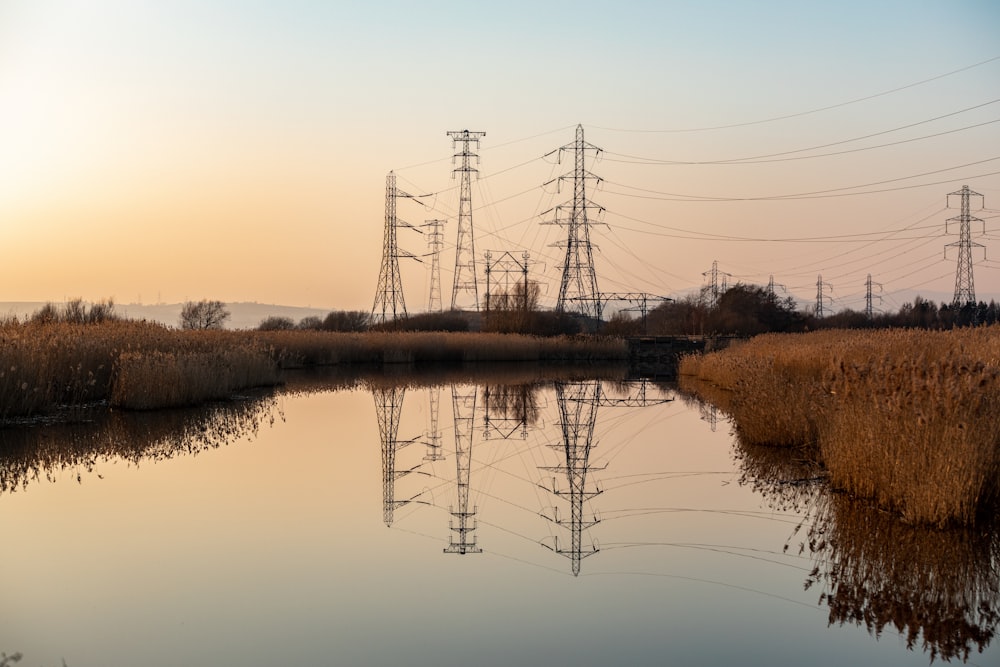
579 278
435 241
965 290
464 521
465 247
389 304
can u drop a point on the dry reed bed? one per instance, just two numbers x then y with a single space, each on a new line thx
908 418
140 365
128 364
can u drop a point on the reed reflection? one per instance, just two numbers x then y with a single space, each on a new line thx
29 454
939 589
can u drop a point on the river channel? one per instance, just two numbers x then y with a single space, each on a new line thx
520 517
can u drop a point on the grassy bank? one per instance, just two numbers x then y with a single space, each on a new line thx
139 365
910 419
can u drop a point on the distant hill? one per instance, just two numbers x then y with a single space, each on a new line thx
242 315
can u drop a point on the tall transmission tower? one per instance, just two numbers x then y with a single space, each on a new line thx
821 297
771 285
388 407
578 404
465 247
965 290
464 521
434 449
713 275
389 304
869 297
435 241
579 279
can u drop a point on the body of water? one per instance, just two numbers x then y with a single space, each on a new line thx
478 520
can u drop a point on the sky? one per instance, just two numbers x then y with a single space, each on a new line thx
156 152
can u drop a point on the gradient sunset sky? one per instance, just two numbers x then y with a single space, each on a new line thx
166 151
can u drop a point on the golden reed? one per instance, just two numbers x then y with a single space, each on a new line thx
908 418
141 365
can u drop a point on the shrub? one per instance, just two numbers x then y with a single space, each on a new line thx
346 320
276 323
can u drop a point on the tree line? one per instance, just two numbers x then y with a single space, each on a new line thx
748 310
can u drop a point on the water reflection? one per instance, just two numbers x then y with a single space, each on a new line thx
556 444
511 411
938 589
28 454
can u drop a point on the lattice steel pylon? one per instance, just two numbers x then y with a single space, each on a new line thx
578 402
464 520
465 246
869 297
965 289
713 275
579 278
821 297
389 304
433 432
388 407
435 241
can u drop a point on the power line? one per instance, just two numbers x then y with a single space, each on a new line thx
815 194
705 236
767 158
809 112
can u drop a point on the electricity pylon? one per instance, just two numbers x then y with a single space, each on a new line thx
388 407
869 296
465 247
389 303
435 241
713 276
434 433
965 290
771 285
464 521
821 297
578 402
579 278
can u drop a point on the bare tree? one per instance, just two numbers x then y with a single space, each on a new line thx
203 314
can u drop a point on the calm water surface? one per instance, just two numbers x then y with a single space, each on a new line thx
484 521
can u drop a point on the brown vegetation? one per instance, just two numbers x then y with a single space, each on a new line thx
908 418
52 362
128 364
